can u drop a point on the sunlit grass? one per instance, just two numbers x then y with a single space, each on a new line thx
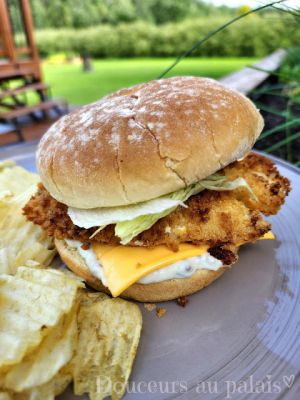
69 82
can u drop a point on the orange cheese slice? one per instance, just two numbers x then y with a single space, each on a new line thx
268 236
125 265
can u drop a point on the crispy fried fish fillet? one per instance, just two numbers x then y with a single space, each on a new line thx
215 218
264 179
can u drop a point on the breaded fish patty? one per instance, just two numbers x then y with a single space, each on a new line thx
211 217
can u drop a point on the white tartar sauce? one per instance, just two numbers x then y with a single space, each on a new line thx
90 259
178 270
183 268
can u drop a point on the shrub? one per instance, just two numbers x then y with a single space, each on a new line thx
51 41
251 36
290 70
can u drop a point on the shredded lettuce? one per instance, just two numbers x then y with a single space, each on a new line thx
127 230
133 219
111 215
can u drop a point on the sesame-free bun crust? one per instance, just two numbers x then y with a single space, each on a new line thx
145 141
153 292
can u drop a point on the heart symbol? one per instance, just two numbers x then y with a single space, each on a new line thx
288 380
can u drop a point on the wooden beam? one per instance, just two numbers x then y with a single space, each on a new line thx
23 50
19 50
38 86
20 112
18 69
248 79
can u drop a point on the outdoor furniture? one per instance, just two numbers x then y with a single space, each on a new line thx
20 72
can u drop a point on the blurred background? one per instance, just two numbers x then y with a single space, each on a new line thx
58 54
132 41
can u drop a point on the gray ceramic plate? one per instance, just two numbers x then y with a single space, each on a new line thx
237 339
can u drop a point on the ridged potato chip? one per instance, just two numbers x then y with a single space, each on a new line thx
49 390
9 171
31 303
89 298
42 365
51 278
14 180
109 332
6 396
20 240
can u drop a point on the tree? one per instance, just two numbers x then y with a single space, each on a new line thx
169 10
86 13
120 11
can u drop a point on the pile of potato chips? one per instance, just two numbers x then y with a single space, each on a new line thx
38 331
53 331
20 240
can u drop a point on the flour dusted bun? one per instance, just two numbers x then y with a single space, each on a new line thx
153 292
145 141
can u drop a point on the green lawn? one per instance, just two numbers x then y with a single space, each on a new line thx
69 82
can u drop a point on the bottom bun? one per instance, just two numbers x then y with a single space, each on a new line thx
153 292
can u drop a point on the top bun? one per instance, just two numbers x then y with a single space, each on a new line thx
146 141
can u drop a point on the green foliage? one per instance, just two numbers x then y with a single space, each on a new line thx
279 100
169 10
290 69
87 13
80 14
251 36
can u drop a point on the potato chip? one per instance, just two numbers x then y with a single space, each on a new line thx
5 396
14 179
20 240
49 390
4 265
89 298
61 380
31 303
41 366
109 332
59 266
50 278
34 264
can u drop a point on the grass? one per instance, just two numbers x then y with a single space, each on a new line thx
69 82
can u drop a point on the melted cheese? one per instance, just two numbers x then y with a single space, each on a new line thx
125 265
268 236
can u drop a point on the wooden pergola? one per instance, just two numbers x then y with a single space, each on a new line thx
13 63
20 70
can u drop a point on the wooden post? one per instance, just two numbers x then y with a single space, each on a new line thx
27 70
15 66
7 33
28 25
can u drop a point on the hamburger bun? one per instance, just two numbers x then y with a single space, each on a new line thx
153 292
146 141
